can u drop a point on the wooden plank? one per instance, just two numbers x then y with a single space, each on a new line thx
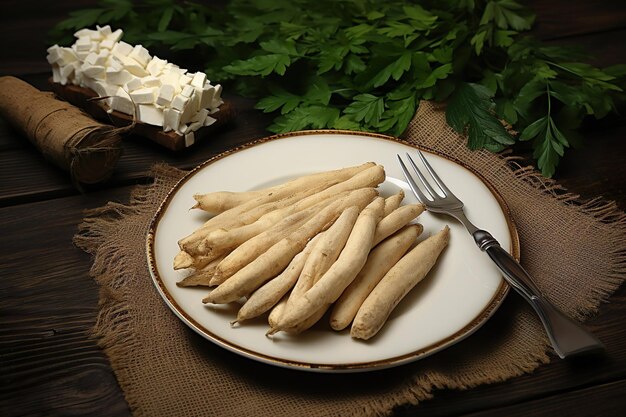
562 18
603 400
48 304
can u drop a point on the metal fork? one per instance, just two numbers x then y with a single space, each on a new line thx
567 337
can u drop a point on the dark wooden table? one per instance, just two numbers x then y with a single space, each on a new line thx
48 303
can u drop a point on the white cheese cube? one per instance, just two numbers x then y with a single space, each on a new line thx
151 81
67 56
67 71
195 126
198 80
100 87
83 44
182 129
155 66
209 121
122 49
187 91
95 35
93 71
171 119
170 78
179 102
104 30
190 139
56 74
116 35
91 59
133 84
200 115
191 108
166 94
141 55
107 44
54 54
82 33
119 77
95 46
150 115
143 95
217 100
133 66
206 97
121 104
184 79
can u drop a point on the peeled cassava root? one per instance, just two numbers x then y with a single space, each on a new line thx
325 242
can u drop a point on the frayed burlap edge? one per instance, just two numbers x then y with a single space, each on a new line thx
113 327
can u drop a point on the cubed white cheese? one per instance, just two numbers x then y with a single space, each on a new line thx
151 81
101 88
184 79
133 66
179 102
92 59
190 139
83 44
67 70
171 119
195 126
104 30
155 66
82 33
94 71
121 104
206 96
116 35
122 49
107 44
143 95
166 94
200 115
187 91
133 84
198 80
217 99
119 77
182 129
209 121
56 74
150 115
141 55
54 54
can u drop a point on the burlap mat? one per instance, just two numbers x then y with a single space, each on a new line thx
164 368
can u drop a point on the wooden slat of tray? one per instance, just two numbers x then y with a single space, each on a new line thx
82 97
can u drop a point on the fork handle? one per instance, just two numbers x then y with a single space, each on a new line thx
566 336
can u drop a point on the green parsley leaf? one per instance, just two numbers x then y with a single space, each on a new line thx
367 108
470 111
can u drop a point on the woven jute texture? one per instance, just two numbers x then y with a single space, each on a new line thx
164 368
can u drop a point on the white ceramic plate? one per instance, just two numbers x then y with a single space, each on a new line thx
457 297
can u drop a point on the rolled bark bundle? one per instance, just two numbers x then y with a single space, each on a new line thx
65 135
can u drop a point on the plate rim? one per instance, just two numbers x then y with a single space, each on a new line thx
478 321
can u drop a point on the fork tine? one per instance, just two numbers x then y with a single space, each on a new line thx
416 190
433 174
423 179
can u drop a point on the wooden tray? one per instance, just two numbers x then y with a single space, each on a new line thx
80 97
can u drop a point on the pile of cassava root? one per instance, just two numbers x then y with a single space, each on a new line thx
321 241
